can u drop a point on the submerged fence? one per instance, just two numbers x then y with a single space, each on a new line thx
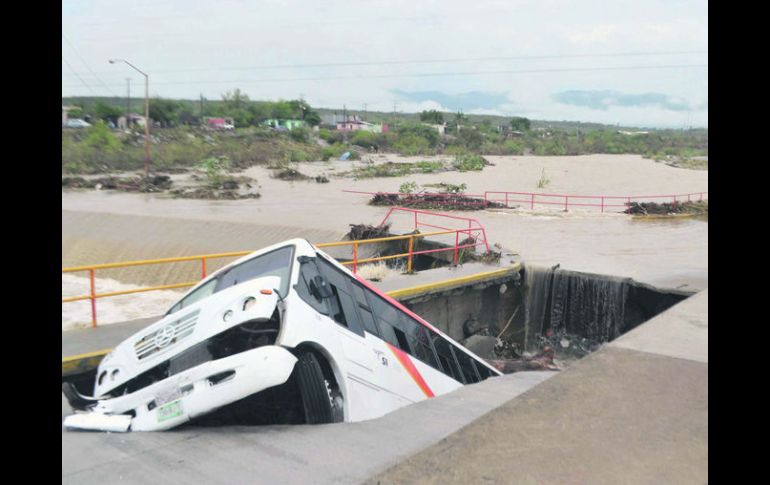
507 199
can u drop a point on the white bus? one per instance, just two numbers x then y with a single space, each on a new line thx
283 335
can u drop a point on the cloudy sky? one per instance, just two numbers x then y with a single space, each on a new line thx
640 63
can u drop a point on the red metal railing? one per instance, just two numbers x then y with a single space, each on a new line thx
531 199
574 200
476 234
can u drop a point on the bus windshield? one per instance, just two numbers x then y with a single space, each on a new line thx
274 263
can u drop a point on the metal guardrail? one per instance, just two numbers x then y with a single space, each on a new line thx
601 201
506 198
473 228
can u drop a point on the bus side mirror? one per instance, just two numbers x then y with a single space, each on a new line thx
319 288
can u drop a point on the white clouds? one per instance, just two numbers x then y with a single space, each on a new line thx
175 35
600 34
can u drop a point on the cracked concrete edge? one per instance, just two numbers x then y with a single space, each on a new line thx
681 331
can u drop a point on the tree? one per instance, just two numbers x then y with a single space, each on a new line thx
429 134
433 117
282 110
470 138
165 111
105 112
312 118
235 99
520 124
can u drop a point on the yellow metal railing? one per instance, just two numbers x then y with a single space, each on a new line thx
203 258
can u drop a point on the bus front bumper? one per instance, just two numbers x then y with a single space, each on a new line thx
189 394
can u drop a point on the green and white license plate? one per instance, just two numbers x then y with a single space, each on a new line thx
170 410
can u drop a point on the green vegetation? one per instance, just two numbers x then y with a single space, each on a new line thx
215 169
433 117
178 143
543 180
99 149
408 187
449 188
465 163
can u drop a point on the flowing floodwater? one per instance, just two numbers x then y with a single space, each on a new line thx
115 309
596 307
106 226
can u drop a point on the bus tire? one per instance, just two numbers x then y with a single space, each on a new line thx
312 387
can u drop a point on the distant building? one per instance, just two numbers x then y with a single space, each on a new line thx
64 113
441 129
355 123
133 119
219 123
288 124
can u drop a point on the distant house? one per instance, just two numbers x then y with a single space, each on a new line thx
633 133
441 129
287 124
219 123
355 123
133 119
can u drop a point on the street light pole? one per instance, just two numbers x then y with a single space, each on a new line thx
146 114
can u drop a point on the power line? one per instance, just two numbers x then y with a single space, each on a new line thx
433 74
81 79
86 64
427 61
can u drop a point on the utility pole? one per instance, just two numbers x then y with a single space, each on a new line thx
364 111
128 101
201 106
345 113
146 113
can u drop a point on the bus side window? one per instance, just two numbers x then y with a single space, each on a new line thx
419 341
308 270
364 310
343 305
447 359
387 321
483 371
466 364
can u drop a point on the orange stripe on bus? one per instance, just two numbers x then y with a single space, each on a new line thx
411 369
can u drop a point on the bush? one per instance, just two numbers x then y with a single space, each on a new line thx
408 187
331 136
543 180
471 139
101 138
425 166
429 134
411 144
300 134
365 139
466 163
513 147
299 156
215 168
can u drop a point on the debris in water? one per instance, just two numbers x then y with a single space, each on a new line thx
542 361
367 231
427 200
666 208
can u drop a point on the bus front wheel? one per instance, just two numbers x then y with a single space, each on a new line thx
312 387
